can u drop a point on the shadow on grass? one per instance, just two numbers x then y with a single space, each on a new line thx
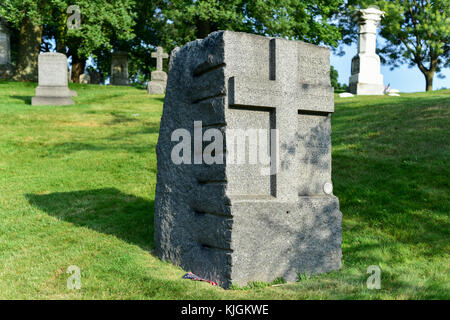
26 99
108 210
159 99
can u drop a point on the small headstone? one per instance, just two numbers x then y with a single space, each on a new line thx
235 222
393 94
95 77
53 86
119 69
85 78
366 78
6 70
345 95
158 82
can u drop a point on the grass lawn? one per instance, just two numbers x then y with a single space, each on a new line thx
77 187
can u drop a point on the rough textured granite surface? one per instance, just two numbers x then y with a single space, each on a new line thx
53 86
228 222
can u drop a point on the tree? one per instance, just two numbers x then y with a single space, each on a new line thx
417 33
101 22
28 17
334 79
174 23
307 20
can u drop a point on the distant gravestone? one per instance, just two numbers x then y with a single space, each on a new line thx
53 83
366 78
119 69
85 78
95 77
158 82
6 70
345 95
231 221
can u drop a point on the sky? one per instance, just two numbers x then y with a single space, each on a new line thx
403 78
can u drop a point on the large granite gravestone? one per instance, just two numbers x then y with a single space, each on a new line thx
53 86
119 69
158 82
366 78
6 70
234 223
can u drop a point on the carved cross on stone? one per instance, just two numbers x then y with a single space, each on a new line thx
288 98
159 55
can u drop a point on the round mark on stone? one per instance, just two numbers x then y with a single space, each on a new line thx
328 188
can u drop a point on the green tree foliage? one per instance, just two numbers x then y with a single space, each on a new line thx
334 78
139 26
173 23
176 22
102 22
302 20
417 33
27 17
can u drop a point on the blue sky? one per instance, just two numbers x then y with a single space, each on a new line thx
403 78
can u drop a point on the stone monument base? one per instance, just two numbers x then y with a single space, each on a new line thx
259 241
366 88
366 78
57 96
158 83
156 87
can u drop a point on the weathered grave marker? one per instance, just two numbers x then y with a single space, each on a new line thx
158 82
85 78
230 222
53 86
119 69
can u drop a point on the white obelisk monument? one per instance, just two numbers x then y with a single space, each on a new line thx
366 78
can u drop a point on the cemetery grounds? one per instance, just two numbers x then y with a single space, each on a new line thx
77 187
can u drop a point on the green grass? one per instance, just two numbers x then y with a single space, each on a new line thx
77 188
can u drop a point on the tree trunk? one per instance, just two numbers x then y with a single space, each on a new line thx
78 65
429 80
204 28
30 38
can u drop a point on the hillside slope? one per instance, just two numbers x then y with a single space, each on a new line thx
77 188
